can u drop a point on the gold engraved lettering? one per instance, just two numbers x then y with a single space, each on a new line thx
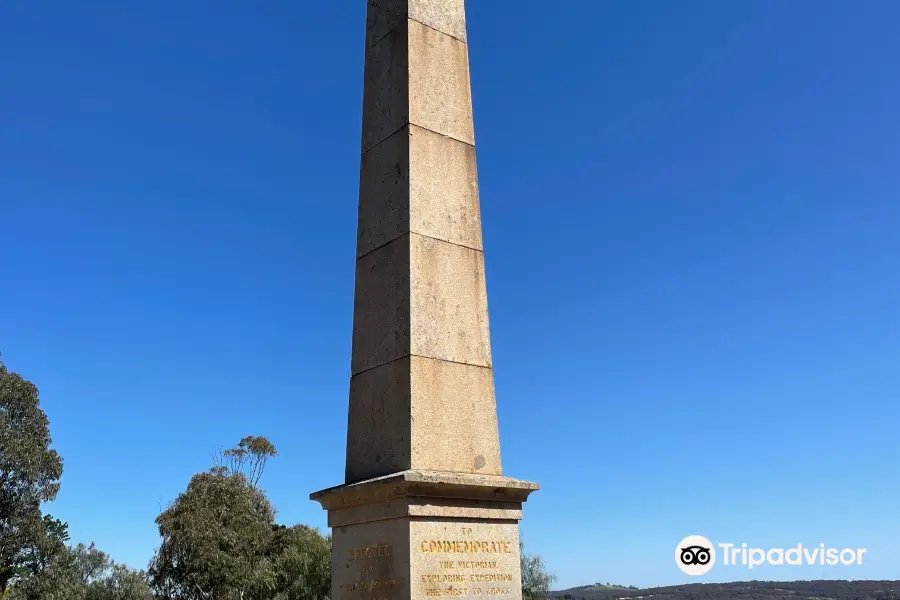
468 566
476 564
369 586
382 583
444 578
455 591
369 552
490 577
465 546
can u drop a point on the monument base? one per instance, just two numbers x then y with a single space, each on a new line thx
426 534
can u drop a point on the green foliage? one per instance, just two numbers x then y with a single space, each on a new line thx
219 537
536 579
29 475
214 541
302 563
39 556
249 457
83 573
121 583
220 540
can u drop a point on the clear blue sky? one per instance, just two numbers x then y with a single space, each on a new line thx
691 221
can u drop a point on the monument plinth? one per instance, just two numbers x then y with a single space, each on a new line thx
425 510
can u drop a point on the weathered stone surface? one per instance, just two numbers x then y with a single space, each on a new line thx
439 90
448 297
443 189
394 509
408 558
379 437
432 493
464 559
420 76
455 417
382 17
381 307
422 413
385 88
423 483
417 295
384 194
419 181
446 16
371 561
425 511
420 534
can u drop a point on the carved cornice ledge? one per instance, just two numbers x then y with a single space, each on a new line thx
425 494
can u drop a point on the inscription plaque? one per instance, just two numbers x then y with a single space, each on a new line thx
416 559
369 562
458 559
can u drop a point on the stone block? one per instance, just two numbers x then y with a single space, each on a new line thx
381 307
464 559
404 558
379 425
419 181
448 302
454 417
385 88
422 413
417 75
384 208
371 560
443 189
446 16
440 97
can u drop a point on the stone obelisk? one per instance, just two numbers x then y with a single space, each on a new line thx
425 510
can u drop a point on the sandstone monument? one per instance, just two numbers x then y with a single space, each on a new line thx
425 510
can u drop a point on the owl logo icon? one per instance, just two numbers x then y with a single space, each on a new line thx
695 555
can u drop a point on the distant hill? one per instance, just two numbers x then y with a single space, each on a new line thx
743 590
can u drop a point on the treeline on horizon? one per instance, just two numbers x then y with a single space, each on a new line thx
743 590
218 539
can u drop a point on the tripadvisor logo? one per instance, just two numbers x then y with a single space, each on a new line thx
696 555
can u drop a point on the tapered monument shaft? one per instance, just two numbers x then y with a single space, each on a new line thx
424 511
421 365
